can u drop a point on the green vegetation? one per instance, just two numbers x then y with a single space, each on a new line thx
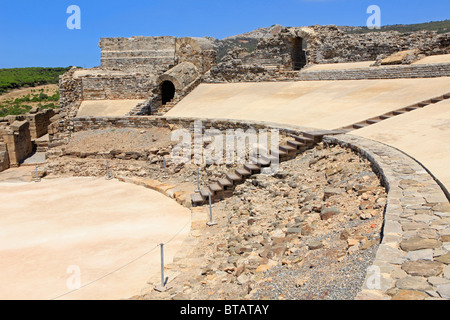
438 26
28 77
20 105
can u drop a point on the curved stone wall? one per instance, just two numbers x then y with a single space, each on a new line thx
413 259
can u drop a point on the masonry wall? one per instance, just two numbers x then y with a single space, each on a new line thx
152 55
39 123
116 87
243 73
18 141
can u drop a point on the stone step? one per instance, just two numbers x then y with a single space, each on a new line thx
243 172
360 125
278 153
423 104
314 135
305 140
234 178
436 100
288 149
225 183
296 144
385 117
446 96
215 187
270 159
374 121
399 112
197 199
252 167
413 108
205 193
260 162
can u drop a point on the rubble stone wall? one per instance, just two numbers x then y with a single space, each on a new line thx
245 73
39 122
153 55
18 141
117 87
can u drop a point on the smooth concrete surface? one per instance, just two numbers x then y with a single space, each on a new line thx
443 58
106 108
423 134
340 66
314 104
51 230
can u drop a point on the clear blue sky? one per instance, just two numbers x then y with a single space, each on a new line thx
34 33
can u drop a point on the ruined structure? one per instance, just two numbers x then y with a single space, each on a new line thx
19 135
162 70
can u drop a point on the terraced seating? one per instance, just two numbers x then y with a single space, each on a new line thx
394 113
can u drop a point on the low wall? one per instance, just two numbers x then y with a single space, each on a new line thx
259 74
412 260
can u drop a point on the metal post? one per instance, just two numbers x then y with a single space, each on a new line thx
163 287
162 265
165 171
198 180
37 175
211 222
108 177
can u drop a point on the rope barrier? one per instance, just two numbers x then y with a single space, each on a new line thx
123 266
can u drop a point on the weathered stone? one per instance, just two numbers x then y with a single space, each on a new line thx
426 254
444 258
409 295
444 290
330 192
413 283
417 243
314 245
423 268
442 207
243 279
295 231
327 213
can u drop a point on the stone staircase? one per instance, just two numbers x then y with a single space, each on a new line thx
224 187
371 121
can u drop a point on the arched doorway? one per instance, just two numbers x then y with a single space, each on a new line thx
298 53
167 92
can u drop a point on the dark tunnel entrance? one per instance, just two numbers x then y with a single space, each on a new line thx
298 54
167 92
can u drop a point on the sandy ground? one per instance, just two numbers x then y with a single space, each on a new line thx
314 104
443 58
56 230
424 134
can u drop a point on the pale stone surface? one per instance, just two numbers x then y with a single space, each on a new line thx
413 283
106 108
92 223
419 134
315 104
426 254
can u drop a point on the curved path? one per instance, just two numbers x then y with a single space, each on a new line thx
52 229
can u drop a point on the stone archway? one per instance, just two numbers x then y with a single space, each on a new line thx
167 91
